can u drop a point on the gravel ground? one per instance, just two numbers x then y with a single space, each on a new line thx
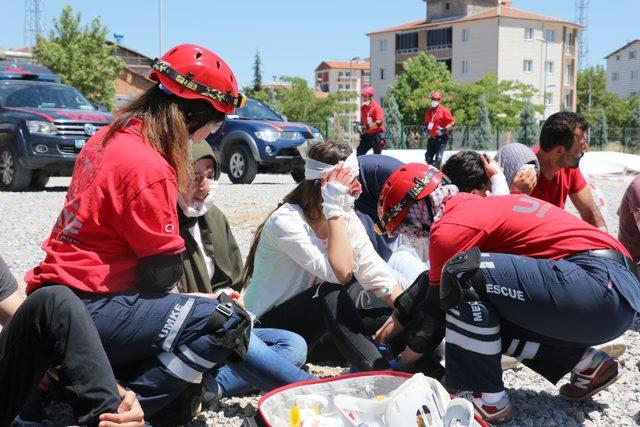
30 215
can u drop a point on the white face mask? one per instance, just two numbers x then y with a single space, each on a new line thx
434 104
199 208
367 102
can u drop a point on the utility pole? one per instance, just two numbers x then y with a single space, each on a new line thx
355 58
159 28
33 22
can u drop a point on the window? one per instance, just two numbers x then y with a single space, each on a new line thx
447 6
382 45
347 87
615 76
340 87
632 54
550 35
617 57
567 101
381 73
549 67
407 42
635 74
528 33
568 73
527 65
465 67
548 99
465 35
340 74
439 39
348 74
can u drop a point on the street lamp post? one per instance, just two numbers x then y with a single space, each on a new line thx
544 70
355 58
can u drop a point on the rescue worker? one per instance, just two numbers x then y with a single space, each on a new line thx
563 142
371 119
117 245
513 275
439 122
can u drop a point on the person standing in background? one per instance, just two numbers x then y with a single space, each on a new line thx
439 122
371 118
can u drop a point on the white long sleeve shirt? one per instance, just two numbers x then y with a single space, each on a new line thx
290 258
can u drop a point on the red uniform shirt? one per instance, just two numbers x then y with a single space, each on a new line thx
121 206
440 117
515 224
555 191
369 114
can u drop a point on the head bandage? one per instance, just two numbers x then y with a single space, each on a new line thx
313 169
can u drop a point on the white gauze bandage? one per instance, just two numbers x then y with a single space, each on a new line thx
314 169
336 200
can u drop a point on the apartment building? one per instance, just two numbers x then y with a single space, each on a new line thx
344 76
476 37
623 70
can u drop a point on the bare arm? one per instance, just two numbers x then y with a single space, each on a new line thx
586 206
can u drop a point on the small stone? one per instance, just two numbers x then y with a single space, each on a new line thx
595 415
248 410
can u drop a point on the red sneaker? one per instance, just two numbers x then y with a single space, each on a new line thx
602 372
496 414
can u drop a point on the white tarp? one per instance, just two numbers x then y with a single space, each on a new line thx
594 163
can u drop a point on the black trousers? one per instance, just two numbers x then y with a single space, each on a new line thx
328 308
367 142
53 329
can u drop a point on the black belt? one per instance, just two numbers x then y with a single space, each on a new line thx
613 255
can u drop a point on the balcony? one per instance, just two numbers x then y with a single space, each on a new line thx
408 50
439 47
570 50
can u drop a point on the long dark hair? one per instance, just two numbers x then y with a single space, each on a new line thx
167 122
306 195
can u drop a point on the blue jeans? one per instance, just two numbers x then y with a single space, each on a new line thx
435 150
273 360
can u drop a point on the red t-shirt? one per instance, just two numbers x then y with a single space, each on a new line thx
555 191
440 116
369 114
516 224
120 206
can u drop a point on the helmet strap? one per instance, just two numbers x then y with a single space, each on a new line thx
165 69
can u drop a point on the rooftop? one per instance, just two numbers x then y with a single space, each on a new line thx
496 12
344 65
622 48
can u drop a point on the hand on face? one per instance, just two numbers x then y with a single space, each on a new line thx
525 181
491 167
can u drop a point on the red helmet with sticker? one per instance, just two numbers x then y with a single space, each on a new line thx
436 95
193 72
408 183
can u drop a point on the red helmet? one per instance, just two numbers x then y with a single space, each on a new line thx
193 72
368 91
408 183
436 95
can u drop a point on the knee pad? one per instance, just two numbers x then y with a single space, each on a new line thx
406 304
460 278
230 326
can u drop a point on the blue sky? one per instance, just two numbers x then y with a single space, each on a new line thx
293 37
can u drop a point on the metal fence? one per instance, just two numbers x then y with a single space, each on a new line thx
626 140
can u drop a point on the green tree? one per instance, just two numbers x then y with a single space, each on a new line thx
300 103
393 122
412 88
600 130
257 73
529 129
482 134
81 56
